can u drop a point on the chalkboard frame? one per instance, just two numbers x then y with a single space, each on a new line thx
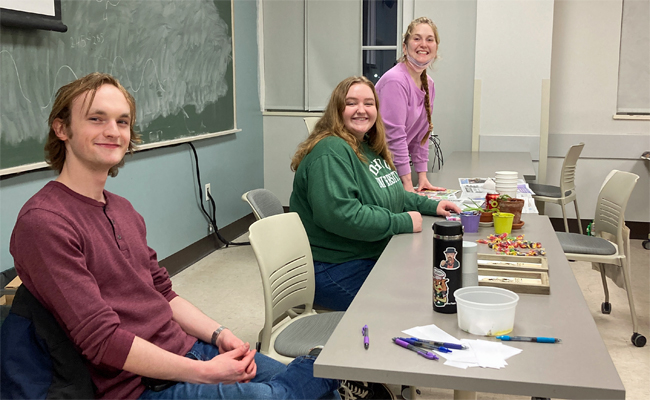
21 19
166 142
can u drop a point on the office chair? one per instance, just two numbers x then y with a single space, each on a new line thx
284 257
566 192
38 360
311 123
263 202
609 250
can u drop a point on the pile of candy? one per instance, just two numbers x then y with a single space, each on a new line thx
514 246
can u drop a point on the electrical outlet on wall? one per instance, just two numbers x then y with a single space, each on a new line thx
207 191
210 229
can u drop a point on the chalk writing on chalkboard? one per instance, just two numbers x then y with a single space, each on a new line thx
174 56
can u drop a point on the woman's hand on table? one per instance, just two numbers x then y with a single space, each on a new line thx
424 184
445 208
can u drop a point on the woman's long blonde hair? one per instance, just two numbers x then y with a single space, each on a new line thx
423 76
332 124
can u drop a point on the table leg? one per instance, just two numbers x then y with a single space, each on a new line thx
409 392
464 395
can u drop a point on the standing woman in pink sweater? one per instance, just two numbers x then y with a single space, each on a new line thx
406 95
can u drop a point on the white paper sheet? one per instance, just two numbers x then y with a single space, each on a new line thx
431 332
480 353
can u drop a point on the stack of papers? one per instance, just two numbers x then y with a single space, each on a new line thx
447 194
476 189
480 353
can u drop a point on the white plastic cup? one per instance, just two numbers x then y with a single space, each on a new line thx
485 310
470 264
506 186
509 189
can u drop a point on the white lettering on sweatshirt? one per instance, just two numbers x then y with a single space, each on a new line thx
375 167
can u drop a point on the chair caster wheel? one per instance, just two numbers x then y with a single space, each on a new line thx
646 244
638 340
606 307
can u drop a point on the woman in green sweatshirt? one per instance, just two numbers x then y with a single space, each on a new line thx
348 194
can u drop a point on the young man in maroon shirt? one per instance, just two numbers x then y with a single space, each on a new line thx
82 252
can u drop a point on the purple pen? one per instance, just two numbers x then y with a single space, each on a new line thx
366 340
425 354
443 344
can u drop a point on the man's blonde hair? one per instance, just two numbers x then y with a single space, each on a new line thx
62 109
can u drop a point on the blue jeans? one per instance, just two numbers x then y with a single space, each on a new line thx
337 284
274 380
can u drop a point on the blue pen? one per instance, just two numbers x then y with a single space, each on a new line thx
537 339
406 345
417 343
444 344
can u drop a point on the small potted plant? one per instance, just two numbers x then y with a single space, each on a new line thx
484 210
470 220
511 205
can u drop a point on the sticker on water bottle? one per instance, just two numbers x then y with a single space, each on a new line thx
440 288
450 262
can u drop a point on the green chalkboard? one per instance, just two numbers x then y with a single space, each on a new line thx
174 56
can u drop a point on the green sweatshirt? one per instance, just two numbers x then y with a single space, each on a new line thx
351 209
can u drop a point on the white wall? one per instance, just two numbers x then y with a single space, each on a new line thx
584 79
513 58
282 135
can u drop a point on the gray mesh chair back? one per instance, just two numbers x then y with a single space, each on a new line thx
263 202
284 258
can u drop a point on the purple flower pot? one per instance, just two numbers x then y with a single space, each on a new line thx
470 220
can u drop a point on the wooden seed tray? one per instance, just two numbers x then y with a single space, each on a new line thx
519 281
518 263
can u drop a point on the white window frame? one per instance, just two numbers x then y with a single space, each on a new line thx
626 51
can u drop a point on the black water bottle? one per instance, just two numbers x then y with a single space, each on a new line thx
447 261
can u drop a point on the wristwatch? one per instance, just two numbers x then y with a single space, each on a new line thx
215 335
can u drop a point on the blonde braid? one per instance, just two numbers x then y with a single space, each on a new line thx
427 105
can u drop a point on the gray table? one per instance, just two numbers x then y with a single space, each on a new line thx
467 164
398 295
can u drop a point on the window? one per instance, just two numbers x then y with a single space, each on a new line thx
309 46
381 37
